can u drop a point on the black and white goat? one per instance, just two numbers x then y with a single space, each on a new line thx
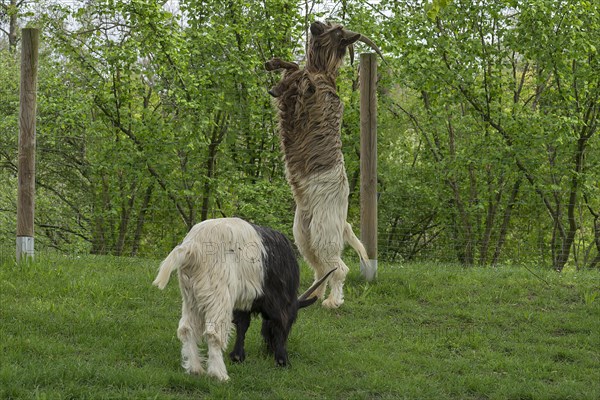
229 269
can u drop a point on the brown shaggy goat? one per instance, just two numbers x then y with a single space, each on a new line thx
310 118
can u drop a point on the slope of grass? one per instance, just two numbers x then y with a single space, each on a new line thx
94 328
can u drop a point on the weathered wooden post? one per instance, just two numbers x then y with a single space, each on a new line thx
26 163
368 161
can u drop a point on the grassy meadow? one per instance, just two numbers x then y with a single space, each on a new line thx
95 328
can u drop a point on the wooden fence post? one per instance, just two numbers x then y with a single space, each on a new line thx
368 161
26 163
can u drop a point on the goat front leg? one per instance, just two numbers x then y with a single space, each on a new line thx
278 63
275 64
241 319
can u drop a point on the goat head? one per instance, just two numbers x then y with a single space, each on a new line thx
330 41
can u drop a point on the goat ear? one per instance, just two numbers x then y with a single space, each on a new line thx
317 28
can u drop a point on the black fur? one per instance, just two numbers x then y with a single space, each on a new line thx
279 304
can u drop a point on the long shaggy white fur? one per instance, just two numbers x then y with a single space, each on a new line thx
220 269
321 230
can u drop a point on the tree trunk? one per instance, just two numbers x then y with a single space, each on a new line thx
506 220
101 236
141 220
12 11
217 135
463 227
492 209
127 203
595 263
567 244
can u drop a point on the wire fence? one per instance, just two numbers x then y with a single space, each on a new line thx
528 238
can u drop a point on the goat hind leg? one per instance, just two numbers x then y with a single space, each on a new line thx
302 239
216 332
188 333
336 296
216 365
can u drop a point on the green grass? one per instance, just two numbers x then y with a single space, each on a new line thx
94 327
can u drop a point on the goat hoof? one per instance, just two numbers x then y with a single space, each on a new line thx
237 357
220 375
281 362
193 367
274 92
330 303
196 371
272 65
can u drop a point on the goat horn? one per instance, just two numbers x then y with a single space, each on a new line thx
353 36
314 287
372 45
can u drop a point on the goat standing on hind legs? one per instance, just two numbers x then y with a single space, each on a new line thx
310 118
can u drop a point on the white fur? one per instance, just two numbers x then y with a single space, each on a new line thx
320 228
220 268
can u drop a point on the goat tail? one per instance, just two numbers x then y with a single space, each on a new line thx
174 260
356 244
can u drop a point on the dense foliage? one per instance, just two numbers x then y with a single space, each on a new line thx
152 117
